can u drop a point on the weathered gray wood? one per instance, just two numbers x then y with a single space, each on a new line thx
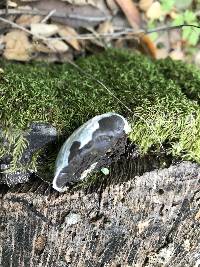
150 220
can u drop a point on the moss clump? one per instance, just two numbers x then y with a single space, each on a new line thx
184 75
163 112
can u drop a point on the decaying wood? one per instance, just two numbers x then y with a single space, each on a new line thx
149 220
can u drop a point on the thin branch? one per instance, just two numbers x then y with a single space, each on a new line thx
78 37
48 16
15 25
169 28
55 15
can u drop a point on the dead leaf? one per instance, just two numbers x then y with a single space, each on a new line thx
175 38
120 22
45 30
27 20
133 17
112 6
162 42
154 11
131 12
2 44
40 47
145 4
147 46
58 45
177 54
105 27
82 2
73 15
197 216
51 46
55 57
11 4
17 46
100 4
173 14
197 62
65 32
161 53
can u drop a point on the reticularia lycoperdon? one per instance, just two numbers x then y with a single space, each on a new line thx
88 148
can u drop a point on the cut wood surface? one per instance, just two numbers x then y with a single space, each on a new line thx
149 220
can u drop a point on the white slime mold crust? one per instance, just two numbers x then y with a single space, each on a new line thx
83 135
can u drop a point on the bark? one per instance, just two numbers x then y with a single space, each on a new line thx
148 220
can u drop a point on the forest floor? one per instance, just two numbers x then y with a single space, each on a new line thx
60 31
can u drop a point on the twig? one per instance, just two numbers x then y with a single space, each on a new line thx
78 37
48 16
55 15
169 28
114 35
15 25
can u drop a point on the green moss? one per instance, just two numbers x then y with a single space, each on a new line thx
165 107
186 76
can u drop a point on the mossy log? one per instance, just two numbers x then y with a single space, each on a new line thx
165 107
150 220
146 212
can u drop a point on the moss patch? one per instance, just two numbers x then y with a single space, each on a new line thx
165 107
184 75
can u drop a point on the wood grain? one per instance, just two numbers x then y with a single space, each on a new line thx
150 220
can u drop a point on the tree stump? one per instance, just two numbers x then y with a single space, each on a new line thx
149 220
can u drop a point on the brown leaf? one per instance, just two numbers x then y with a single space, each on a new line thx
80 2
58 45
133 18
112 6
131 12
51 46
145 4
161 53
197 216
40 47
147 46
95 3
44 30
55 57
105 27
27 20
73 15
11 4
177 54
154 11
65 32
17 46
197 62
